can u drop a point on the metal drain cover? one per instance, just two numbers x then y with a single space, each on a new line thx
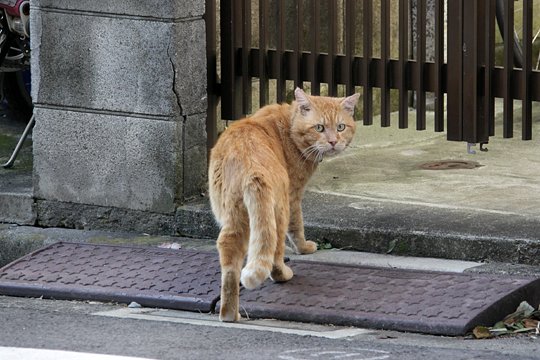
450 165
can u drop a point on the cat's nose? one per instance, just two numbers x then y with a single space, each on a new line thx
333 143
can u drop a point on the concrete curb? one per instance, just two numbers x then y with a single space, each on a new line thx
343 222
399 229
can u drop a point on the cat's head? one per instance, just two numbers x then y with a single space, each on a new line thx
322 126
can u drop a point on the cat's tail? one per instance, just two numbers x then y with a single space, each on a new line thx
263 234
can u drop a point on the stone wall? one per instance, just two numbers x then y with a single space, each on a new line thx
120 103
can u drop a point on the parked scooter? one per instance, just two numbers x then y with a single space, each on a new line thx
15 63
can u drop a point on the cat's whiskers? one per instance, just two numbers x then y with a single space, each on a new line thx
321 151
310 150
313 153
320 154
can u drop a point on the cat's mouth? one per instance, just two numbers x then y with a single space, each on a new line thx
335 150
332 152
318 153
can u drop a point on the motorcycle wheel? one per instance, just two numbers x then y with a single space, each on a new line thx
16 89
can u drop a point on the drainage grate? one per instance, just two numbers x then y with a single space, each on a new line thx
450 165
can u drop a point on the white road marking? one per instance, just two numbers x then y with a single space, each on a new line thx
328 354
284 327
387 261
42 354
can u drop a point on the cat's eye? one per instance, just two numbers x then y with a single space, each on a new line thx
319 128
341 127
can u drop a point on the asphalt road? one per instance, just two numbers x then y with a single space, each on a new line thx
74 326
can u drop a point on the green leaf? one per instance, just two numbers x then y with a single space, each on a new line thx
324 246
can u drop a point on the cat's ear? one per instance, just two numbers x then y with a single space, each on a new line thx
349 103
302 100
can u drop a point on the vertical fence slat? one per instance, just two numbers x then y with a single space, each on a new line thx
470 57
526 70
439 61
237 61
470 70
211 60
489 63
246 47
455 71
280 51
403 58
263 53
420 61
297 54
385 58
349 45
508 125
368 53
332 48
231 83
315 42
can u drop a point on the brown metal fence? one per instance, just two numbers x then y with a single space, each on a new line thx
309 50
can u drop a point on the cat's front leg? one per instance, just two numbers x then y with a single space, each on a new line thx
295 233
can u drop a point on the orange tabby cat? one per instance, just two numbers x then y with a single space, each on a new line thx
257 174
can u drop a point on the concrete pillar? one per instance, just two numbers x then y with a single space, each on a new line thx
120 102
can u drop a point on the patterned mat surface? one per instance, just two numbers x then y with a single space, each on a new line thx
420 301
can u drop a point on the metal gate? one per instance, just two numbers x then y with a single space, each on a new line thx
282 51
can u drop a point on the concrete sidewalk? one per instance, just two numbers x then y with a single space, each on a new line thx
490 211
385 165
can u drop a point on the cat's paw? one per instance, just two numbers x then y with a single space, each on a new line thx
309 247
226 315
251 277
281 274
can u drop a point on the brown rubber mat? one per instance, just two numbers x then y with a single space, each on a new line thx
420 301
392 299
177 279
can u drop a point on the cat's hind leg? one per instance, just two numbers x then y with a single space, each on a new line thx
232 246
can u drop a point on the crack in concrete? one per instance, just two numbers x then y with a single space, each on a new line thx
180 171
176 94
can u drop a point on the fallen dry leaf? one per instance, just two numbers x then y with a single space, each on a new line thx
530 323
482 332
523 320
